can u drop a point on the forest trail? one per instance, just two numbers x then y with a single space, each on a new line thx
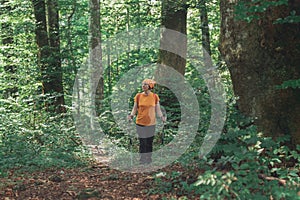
97 181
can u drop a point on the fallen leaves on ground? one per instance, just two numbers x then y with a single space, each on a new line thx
95 182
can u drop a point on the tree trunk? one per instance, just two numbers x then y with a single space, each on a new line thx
55 84
260 56
204 27
173 51
95 53
174 17
205 35
49 60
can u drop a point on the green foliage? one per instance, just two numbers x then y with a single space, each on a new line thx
237 168
292 18
30 137
33 140
252 10
290 84
194 25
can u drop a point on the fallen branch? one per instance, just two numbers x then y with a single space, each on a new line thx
271 178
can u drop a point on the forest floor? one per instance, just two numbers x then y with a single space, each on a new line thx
97 181
93 182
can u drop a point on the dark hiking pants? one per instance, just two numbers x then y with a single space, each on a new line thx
146 136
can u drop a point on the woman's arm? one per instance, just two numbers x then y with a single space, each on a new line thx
133 111
159 112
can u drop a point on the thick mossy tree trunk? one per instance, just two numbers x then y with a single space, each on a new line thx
49 59
261 55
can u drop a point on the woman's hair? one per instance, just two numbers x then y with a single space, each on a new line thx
150 82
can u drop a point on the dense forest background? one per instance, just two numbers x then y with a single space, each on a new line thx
254 45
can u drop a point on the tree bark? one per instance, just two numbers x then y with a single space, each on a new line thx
55 84
205 35
174 17
260 56
95 53
49 60
204 27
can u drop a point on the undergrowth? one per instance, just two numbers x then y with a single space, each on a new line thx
32 139
244 164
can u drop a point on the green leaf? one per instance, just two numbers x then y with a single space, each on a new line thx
289 84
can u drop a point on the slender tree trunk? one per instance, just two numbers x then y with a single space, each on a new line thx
109 72
261 55
49 60
204 27
205 34
128 35
139 25
174 17
95 53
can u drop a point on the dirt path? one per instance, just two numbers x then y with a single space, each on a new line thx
97 181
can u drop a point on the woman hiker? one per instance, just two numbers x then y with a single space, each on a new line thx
146 105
